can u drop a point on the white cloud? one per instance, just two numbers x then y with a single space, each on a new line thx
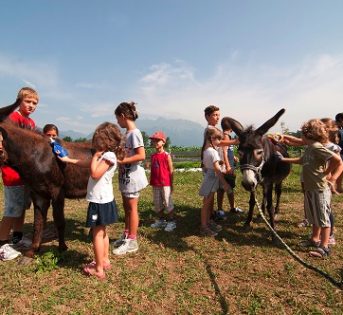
249 93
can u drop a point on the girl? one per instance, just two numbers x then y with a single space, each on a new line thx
211 163
102 210
51 131
132 177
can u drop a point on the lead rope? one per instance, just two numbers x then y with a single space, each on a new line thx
338 284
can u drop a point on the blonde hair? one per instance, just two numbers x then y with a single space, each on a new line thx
316 130
107 137
25 92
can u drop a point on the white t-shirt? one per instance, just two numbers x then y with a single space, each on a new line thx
101 190
209 157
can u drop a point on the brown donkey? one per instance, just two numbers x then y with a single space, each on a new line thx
49 180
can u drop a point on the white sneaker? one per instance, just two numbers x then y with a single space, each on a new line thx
119 241
8 253
171 226
159 224
129 246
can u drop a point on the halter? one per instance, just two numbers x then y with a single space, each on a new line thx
256 169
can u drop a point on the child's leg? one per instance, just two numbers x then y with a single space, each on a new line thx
332 222
206 209
324 236
316 231
231 197
98 246
106 241
5 229
131 207
127 215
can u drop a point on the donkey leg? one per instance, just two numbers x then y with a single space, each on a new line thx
278 189
59 220
252 202
270 206
41 206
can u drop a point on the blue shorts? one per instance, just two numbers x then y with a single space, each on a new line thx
101 213
17 200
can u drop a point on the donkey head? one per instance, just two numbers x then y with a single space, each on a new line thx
251 149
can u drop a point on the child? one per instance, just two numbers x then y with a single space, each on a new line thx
339 122
132 178
317 163
102 209
161 180
52 132
228 169
17 196
212 176
212 116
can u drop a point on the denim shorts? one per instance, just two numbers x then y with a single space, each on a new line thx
101 214
17 200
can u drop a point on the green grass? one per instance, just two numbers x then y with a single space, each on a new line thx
239 272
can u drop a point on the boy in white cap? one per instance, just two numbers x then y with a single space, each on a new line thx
161 180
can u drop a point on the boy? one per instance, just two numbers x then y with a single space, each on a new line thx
229 173
161 180
16 195
212 116
317 163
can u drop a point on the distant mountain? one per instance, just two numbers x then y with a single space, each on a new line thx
181 132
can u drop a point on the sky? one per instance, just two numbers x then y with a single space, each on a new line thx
174 58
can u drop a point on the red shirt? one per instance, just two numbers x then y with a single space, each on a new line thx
160 173
10 177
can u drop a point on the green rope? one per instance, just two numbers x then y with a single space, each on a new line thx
338 284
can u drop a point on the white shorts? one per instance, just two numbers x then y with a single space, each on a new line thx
163 199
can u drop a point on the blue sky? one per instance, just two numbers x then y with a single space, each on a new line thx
173 58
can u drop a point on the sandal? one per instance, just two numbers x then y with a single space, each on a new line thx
90 271
107 266
309 243
320 252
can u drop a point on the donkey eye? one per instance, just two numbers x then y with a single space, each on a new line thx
240 154
259 152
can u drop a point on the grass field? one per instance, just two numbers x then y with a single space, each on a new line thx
180 272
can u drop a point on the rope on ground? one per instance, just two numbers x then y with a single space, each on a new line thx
338 284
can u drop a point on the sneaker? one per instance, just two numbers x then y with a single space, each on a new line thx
303 223
17 237
332 240
206 231
214 226
8 253
236 210
218 215
309 243
128 246
159 224
119 241
171 226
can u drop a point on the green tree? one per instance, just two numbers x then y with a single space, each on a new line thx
68 139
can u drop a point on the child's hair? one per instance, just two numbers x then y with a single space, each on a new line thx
339 117
128 109
49 127
210 133
316 130
107 137
27 91
332 129
210 109
225 123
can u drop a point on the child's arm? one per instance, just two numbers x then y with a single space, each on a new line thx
296 160
334 170
226 159
99 166
137 157
81 163
227 141
220 175
171 171
291 140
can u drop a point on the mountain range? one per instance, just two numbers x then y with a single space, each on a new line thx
181 132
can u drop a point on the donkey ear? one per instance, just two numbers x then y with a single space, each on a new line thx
270 123
235 125
5 111
3 133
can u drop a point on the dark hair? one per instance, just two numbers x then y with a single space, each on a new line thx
339 117
49 127
107 137
128 109
210 109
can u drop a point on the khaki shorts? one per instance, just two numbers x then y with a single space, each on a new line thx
317 207
17 200
163 198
